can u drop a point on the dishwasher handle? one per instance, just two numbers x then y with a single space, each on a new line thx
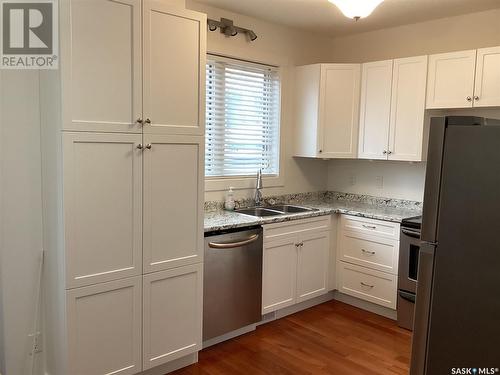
230 245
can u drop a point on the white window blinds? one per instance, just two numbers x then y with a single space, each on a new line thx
242 118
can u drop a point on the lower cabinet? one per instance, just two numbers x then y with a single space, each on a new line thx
104 328
172 314
133 324
295 262
368 254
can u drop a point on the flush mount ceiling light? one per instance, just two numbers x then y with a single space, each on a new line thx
356 9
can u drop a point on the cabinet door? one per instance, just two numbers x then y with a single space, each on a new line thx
102 207
279 274
450 82
487 87
339 108
101 73
104 328
174 69
408 109
172 314
312 265
173 201
375 109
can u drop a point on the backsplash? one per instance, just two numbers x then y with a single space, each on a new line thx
318 196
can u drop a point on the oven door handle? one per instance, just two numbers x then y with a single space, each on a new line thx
410 297
411 233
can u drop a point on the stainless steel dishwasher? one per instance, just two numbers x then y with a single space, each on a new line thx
232 282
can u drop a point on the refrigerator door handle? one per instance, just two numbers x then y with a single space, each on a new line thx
422 309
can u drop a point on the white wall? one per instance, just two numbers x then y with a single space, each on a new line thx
401 180
21 220
285 47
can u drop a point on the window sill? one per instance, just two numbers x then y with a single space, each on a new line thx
223 183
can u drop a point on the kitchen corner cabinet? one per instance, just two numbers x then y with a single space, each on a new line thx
327 110
464 79
392 109
119 70
295 262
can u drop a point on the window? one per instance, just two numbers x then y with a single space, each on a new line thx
242 118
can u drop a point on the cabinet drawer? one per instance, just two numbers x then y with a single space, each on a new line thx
379 254
370 227
370 285
281 230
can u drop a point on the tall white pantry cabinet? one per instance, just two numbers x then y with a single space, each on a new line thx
123 148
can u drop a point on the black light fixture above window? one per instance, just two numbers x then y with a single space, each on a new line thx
226 27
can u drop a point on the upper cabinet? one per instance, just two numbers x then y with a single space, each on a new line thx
327 110
487 85
464 79
174 69
392 109
123 72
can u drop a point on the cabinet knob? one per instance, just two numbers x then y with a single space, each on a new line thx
389 152
148 146
140 146
139 120
385 152
476 98
469 99
320 151
148 121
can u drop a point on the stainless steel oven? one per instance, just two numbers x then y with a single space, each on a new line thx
409 249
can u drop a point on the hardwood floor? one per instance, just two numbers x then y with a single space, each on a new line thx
332 338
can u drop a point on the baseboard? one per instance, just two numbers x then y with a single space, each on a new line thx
229 335
365 305
173 365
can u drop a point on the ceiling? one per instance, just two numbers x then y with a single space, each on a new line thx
324 17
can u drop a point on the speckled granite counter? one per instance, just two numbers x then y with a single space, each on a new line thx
373 208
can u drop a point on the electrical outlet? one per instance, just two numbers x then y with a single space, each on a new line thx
379 182
37 343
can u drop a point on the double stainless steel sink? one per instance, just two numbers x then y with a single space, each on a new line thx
275 210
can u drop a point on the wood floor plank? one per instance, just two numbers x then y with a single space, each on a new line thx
331 338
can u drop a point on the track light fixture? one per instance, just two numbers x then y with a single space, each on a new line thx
226 27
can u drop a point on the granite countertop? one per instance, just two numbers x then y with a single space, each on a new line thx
221 220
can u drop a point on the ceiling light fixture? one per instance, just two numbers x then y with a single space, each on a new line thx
356 9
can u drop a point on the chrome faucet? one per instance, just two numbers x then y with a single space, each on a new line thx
258 188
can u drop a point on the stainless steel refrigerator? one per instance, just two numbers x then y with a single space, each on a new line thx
457 313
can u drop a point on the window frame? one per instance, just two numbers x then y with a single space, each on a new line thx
220 183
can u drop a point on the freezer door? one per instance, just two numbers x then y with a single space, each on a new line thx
422 309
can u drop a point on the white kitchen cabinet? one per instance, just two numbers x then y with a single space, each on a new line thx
327 110
375 109
104 328
279 274
450 81
295 262
407 122
173 201
487 82
174 69
392 109
101 65
102 206
172 314
367 259
312 265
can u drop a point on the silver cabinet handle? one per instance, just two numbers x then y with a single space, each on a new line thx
140 146
148 121
385 152
148 146
476 98
369 226
300 244
469 99
389 152
139 120
367 285
368 252
230 245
